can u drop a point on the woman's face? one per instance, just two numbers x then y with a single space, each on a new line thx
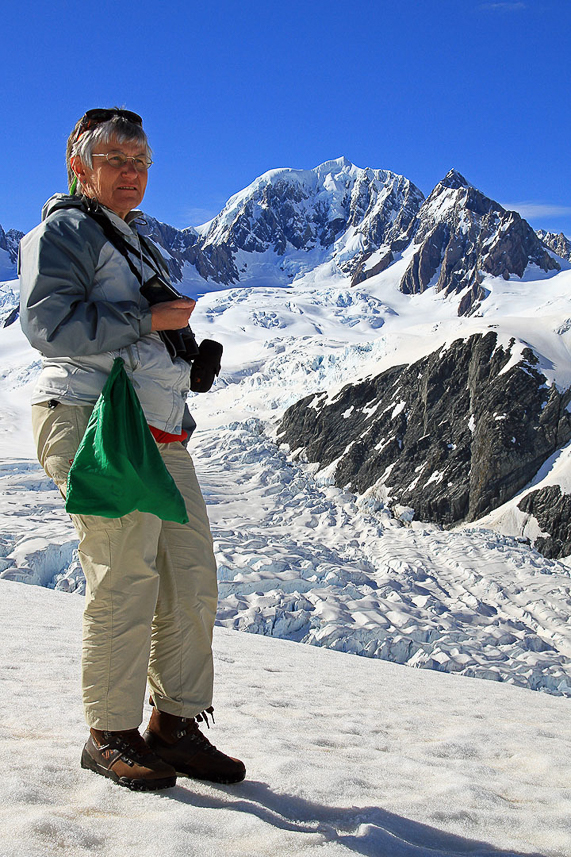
119 189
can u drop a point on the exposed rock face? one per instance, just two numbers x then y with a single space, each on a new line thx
175 242
559 243
9 294
453 436
552 509
459 234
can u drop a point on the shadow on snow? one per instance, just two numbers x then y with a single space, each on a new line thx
370 831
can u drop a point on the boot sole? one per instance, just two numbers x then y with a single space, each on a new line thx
89 764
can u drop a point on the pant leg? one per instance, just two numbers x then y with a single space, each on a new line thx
118 557
181 668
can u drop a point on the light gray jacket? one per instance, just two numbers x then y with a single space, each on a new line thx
81 308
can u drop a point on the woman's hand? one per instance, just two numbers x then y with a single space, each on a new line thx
172 315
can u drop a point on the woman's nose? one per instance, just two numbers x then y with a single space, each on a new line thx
128 167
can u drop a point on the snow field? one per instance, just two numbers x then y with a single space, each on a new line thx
345 755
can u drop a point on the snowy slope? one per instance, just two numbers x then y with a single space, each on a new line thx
301 559
345 756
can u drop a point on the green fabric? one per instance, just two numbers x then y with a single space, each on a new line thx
117 467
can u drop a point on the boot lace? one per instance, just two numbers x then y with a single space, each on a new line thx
130 743
189 730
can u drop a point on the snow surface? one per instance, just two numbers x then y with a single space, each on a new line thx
463 762
344 755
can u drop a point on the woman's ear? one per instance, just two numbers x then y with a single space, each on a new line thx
77 167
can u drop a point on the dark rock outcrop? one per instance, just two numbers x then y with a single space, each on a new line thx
552 510
460 235
453 435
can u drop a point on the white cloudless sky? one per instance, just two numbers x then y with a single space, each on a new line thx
230 90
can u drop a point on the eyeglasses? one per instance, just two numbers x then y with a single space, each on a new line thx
118 160
103 114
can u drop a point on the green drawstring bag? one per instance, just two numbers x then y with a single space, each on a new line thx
117 467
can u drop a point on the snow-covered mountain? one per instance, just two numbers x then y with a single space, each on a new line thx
334 215
8 252
556 241
339 222
460 235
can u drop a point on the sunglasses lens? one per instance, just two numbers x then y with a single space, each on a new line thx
101 114
131 117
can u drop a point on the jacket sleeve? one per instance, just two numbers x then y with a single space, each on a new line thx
57 267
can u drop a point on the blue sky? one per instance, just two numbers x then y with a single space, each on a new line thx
229 90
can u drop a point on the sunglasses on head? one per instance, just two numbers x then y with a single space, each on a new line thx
102 114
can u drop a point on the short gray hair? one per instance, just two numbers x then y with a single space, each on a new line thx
81 144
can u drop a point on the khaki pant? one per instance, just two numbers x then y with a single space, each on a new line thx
151 590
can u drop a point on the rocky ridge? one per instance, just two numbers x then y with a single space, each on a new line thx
557 242
9 294
9 242
175 244
460 235
358 222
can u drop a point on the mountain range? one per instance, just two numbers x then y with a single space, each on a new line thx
341 222
338 221
406 423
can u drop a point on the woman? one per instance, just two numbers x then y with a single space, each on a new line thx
150 584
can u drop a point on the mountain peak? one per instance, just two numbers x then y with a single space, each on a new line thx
341 161
454 180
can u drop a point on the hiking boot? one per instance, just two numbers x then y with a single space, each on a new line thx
179 741
127 760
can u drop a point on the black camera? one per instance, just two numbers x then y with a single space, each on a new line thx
205 359
179 343
156 291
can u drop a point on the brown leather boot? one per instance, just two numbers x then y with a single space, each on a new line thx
127 760
179 741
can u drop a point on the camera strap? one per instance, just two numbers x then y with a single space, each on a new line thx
179 343
122 245
205 359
